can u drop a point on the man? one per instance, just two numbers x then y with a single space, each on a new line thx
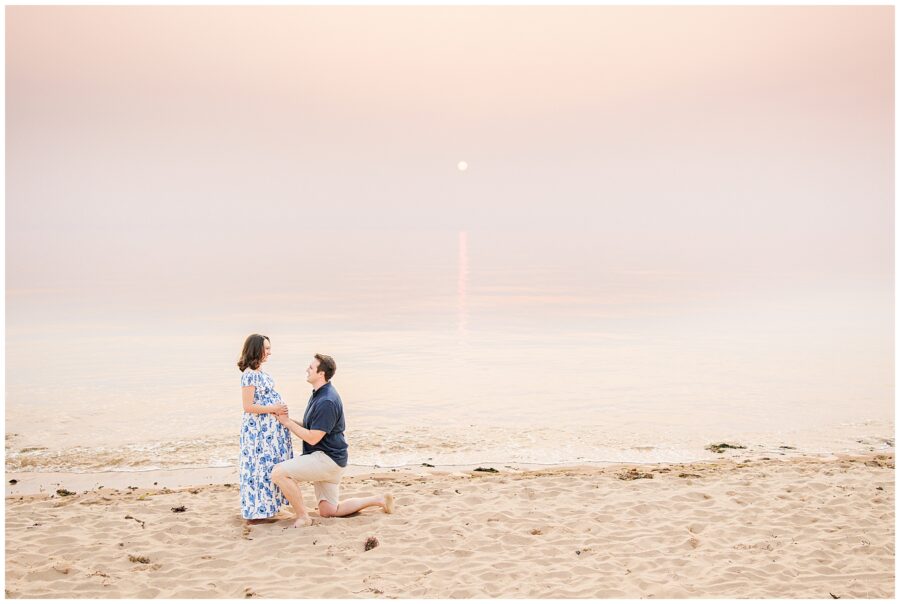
324 456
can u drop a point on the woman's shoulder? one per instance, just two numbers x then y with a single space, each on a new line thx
250 377
255 374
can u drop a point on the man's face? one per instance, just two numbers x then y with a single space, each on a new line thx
312 370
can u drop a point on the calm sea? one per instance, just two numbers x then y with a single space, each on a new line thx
452 347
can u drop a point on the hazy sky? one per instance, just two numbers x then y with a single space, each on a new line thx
144 139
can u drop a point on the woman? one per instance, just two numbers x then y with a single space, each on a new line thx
264 441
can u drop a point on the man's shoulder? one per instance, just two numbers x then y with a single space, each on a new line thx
329 391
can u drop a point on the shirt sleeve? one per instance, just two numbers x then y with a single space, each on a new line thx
250 378
323 416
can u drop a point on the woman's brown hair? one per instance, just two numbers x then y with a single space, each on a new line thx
252 355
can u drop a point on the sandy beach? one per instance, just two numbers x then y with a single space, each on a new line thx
736 528
557 253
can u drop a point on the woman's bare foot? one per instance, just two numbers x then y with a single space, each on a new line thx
388 506
301 521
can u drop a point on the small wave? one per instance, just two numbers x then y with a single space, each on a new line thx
132 457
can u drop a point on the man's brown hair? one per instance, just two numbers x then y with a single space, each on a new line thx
326 364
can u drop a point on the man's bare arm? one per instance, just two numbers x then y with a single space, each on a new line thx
311 437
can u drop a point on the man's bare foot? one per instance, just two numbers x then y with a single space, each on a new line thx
388 504
301 521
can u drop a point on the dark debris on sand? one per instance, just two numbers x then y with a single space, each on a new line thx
720 447
371 543
490 470
881 461
633 474
64 492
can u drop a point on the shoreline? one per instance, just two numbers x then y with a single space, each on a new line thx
408 446
28 483
31 483
734 527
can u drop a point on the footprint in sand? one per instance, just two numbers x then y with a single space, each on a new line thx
696 528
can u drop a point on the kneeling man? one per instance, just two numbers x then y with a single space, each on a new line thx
324 456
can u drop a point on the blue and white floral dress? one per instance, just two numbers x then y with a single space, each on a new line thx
264 443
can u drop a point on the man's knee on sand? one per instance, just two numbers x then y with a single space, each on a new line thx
327 509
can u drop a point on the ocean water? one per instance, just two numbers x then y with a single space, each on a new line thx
676 228
452 353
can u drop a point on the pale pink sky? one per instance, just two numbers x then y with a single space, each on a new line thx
142 139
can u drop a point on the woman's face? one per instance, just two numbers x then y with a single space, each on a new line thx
267 351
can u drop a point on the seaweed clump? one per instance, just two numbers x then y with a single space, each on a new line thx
720 447
633 474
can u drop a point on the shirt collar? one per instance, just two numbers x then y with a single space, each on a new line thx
321 388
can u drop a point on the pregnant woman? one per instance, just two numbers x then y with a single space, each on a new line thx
264 441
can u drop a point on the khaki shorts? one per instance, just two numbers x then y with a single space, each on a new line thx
319 469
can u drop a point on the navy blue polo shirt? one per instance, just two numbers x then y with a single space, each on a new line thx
325 412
